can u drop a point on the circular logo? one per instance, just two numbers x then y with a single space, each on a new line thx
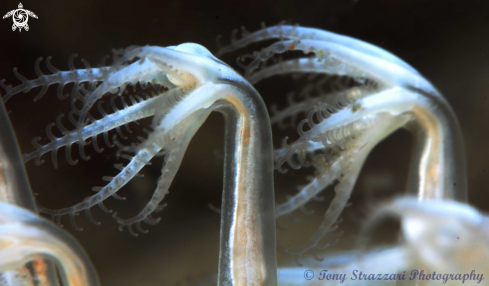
308 274
20 17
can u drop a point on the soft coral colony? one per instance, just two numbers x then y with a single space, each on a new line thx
339 130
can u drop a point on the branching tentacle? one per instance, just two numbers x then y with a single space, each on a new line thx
288 32
177 119
350 166
58 77
134 166
180 138
101 126
149 68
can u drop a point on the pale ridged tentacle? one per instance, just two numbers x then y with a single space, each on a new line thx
140 71
337 100
149 68
102 126
334 135
58 77
168 126
138 110
360 65
309 191
347 121
327 65
142 158
173 158
356 154
288 32
329 163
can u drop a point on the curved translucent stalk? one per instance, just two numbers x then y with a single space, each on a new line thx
24 237
389 88
15 190
248 214
14 187
196 84
438 166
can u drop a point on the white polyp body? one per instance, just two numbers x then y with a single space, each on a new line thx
197 83
299 33
398 101
441 236
383 71
445 236
350 125
393 95
25 237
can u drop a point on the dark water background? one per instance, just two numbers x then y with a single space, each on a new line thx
447 41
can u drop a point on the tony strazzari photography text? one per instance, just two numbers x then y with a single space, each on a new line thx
413 275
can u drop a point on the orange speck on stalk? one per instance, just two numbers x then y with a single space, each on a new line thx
41 267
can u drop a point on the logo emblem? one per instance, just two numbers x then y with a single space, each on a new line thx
20 17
